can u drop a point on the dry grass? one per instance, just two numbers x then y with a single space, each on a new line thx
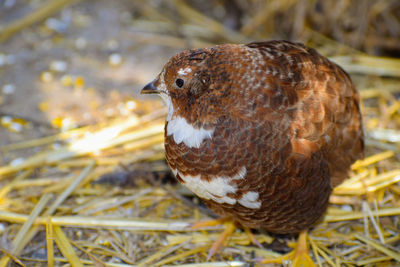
53 194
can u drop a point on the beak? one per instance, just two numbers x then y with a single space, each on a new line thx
150 88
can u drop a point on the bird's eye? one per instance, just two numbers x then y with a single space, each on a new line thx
179 82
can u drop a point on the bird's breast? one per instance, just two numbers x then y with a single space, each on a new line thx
223 166
183 132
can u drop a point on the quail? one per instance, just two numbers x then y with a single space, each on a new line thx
260 132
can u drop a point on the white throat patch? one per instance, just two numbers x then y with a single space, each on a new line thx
186 133
178 127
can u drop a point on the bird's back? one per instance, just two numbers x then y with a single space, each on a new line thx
322 104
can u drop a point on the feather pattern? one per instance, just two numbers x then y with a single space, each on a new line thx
278 109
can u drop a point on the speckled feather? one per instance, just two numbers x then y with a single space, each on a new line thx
277 113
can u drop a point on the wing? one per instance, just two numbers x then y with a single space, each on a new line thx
317 100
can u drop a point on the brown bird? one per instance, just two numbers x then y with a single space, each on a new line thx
261 132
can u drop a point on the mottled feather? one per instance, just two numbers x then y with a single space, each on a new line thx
278 110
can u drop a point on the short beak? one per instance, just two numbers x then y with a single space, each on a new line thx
150 88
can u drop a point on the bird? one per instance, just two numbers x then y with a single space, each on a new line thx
261 132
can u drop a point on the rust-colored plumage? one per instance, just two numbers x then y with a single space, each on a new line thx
261 132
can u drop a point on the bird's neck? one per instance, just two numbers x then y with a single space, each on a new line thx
183 131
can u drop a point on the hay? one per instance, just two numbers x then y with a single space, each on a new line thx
55 194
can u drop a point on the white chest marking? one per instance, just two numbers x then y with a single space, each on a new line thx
218 188
250 200
186 133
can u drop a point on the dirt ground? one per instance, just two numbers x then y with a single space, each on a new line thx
77 67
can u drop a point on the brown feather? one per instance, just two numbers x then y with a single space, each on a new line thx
285 113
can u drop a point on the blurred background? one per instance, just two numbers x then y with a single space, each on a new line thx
77 140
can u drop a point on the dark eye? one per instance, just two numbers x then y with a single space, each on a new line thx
179 82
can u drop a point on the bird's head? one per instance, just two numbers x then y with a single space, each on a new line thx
195 84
